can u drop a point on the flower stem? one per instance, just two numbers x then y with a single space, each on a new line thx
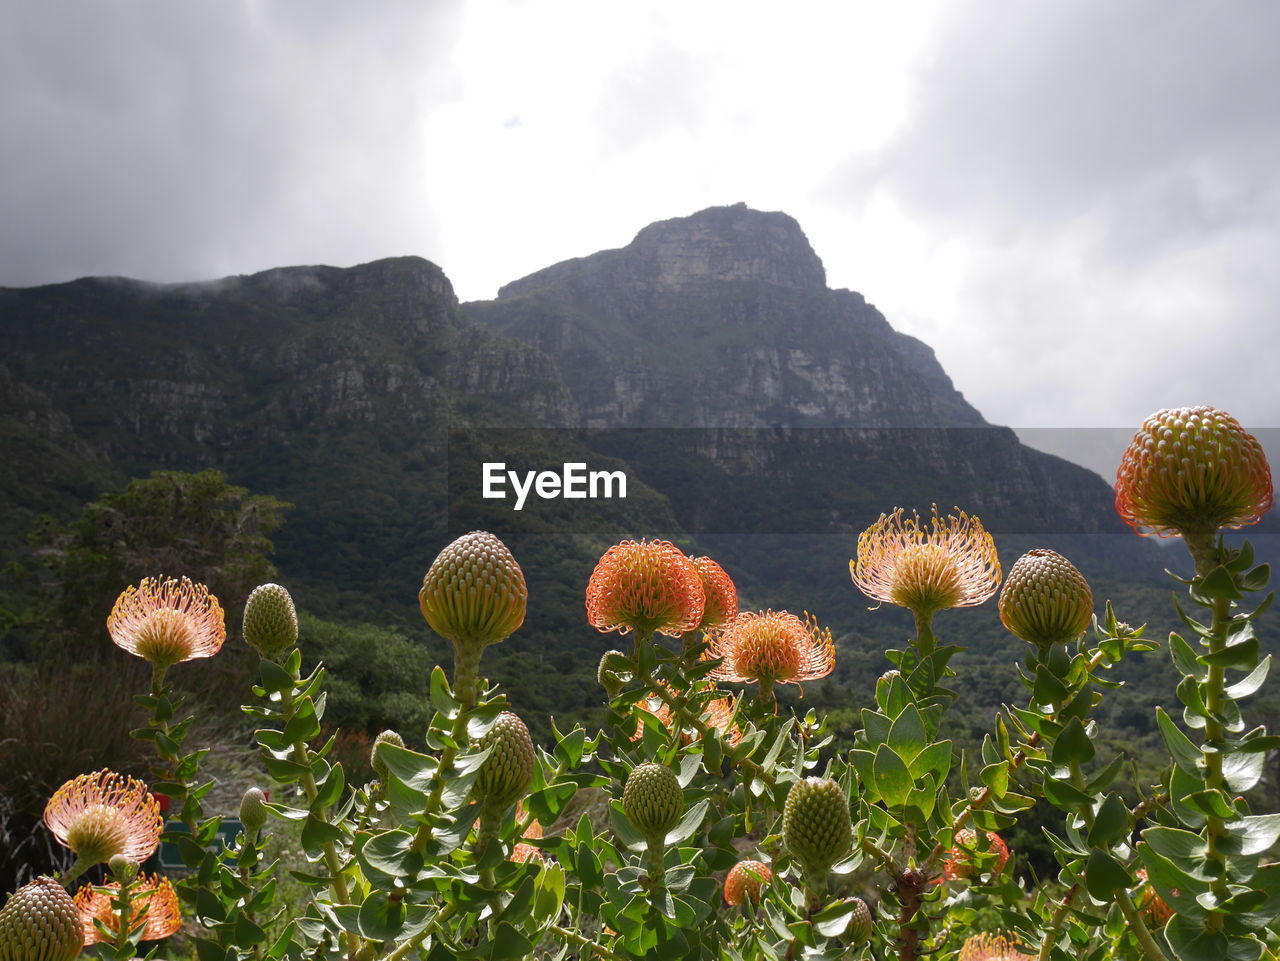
581 941
1056 922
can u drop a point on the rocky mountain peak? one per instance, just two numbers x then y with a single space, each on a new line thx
731 243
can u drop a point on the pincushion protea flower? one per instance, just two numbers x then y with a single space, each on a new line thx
104 814
901 561
772 647
1045 599
719 592
962 858
716 713
645 586
1192 470
992 947
39 922
1154 908
527 852
744 881
154 908
167 621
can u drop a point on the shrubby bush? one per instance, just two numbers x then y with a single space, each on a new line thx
734 828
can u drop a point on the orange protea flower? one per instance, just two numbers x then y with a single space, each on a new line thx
154 908
744 881
719 591
772 647
1192 469
902 562
104 814
992 947
961 859
717 713
167 621
1154 908
645 586
523 852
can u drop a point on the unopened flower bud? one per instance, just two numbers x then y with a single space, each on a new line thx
817 829
744 881
40 923
613 672
253 811
507 772
1045 600
123 869
474 593
859 930
270 622
376 759
653 800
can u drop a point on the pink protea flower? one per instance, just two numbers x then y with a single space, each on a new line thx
721 596
104 814
645 586
167 621
744 881
772 647
1192 470
992 947
154 906
901 561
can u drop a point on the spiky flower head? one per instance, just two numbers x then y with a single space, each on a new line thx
39 922
645 586
1045 599
1192 470
167 621
474 592
992 947
772 647
720 596
744 881
153 908
817 829
104 814
1155 910
507 772
253 810
903 561
653 800
377 759
271 621
962 860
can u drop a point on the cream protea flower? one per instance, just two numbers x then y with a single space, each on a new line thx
772 647
1192 470
721 596
903 562
744 881
645 586
104 814
992 947
167 621
153 907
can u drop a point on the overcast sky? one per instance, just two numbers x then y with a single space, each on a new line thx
1077 204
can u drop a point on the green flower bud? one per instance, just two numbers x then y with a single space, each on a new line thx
122 869
376 760
859 930
507 772
653 800
474 593
1045 600
614 670
40 923
253 811
817 829
270 621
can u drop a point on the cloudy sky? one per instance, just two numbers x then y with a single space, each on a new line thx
1076 203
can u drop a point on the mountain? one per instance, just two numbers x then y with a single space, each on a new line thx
757 414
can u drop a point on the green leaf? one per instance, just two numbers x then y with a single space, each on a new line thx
1211 802
1111 823
382 916
1219 585
414 770
1065 795
892 779
442 698
833 920
1073 745
275 679
935 760
1184 658
1242 656
389 855
1185 754
689 823
996 777
1048 689
1257 578
1104 876
1243 770
317 833
1254 834
907 736
509 943
1190 940
1251 682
